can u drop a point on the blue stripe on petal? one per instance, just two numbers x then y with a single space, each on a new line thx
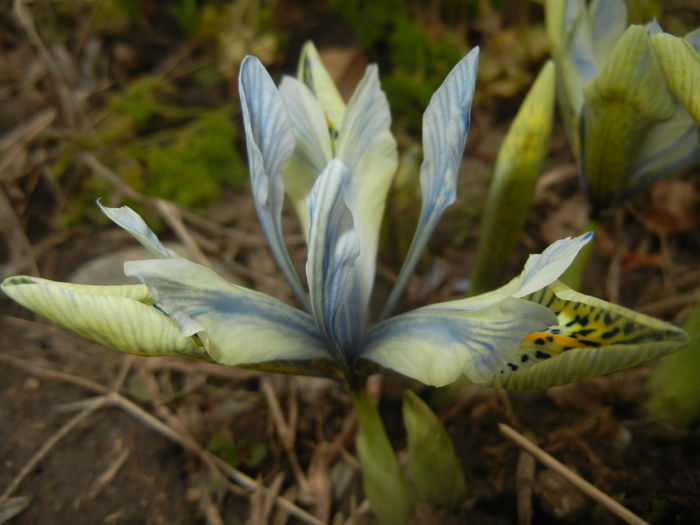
543 269
132 222
270 143
436 348
237 326
367 146
331 269
445 127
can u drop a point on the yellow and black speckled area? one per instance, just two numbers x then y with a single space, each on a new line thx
580 326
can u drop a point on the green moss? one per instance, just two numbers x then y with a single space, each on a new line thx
141 100
420 54
188 169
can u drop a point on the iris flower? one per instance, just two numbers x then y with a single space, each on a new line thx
335 162
625 125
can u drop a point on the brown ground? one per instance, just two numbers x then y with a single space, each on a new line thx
150 434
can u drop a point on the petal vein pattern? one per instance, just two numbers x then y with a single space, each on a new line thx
445 127
436 348
331 268
270 143
236 325
367 146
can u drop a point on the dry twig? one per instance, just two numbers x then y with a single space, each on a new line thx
112 398
573 478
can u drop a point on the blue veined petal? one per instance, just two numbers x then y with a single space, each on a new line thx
545 268
135 225
540 270
331 267
119 317
608 22
367 146
236 325
445 127
270 143
313 144
668 147
437 347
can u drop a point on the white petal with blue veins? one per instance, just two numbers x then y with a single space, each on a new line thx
437 347
445 127
270 143
331 269
236 325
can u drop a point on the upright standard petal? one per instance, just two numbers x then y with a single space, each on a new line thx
236 325
590 338
313 73
313 150
367 146
135 225
119 317
331 269
445 127
437 347
270 143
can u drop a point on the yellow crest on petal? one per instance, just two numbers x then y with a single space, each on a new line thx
592 337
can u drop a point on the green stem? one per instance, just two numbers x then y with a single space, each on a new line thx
675 389
573 277
385 486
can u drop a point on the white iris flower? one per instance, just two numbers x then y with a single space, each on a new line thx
336 163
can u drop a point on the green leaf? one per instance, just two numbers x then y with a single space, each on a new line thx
435 468
674 385
385 486
513 183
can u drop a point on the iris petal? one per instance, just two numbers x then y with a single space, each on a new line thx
367 146
236 325
270 143
590 338
540 270
135 225
313 73
331 268
437 347
119 317
445 127
313 144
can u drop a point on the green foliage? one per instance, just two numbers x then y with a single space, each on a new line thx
436 470
188 168
419 59
131 7
140 101
240 452
675 389
513 183
157 148
186 14
385 485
